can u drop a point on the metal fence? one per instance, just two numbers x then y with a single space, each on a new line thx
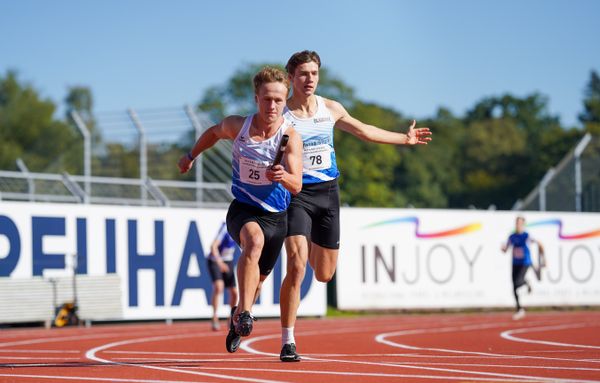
150 142
66 188
573 185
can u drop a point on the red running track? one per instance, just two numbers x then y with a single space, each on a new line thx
543 347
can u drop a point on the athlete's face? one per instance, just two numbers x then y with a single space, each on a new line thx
270 101
305 78
520 225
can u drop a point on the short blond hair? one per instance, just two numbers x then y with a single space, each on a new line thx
270 74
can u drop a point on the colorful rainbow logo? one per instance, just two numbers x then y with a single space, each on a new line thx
558 222
446 233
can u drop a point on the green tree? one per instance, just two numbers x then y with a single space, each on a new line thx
367 169
494 150
590 116
591 101
236 96
28 129
430 176
511 143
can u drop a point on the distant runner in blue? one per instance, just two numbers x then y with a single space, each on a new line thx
521 261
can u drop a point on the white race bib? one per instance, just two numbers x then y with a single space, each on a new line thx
253 172
317 157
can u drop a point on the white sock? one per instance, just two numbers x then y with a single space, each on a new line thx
287 336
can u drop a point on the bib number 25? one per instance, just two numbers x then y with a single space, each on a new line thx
253 172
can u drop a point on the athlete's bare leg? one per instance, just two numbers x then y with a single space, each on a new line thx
216 297
233 296
251 241
323 261
259 287
296 248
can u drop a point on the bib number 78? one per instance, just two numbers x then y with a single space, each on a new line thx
316 160
317 157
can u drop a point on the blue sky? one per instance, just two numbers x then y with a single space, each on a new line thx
413 56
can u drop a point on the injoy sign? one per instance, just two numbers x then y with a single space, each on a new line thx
396 258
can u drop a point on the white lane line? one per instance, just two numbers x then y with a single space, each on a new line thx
246 346
167 353
377 374
15 351
91 354
91 334
95 335
92 379
37 357
502 366
53 339
508 334
376 355
554 351
193 360
381 338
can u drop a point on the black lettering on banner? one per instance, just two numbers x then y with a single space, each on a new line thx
380 260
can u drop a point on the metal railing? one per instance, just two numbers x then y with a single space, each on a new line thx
146 143
572 185
66 188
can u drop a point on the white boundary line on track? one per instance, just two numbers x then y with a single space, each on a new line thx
91 354
246 346
378 374
503 366
168 353
105 347
249 359
92 379
85 336
15 351
38 357
508 334
381 338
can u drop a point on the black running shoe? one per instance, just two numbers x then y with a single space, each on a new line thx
233 340
289 354
245 323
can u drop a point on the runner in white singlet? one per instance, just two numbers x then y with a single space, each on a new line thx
313 215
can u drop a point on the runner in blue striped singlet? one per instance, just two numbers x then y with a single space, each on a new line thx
257 217
313 215
520 241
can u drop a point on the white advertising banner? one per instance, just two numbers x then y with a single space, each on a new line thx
158 253
405 258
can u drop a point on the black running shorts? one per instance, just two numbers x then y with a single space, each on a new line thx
315 213
273 225
518 275
216 274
